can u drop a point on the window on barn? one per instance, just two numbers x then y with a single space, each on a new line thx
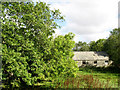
84 62
95 62
106 62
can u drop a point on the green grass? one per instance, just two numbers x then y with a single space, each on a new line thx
88 77
103 77
103 74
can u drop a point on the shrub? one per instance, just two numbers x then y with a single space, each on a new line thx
31 57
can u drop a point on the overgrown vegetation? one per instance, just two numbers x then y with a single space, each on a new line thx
30 54
85 81
91 77
112 46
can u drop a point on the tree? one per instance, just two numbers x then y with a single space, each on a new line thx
81 46
112 46
98 45
30 54
92 45
84 47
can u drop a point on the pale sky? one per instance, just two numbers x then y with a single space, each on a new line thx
89 20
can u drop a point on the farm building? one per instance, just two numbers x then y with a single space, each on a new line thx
91 58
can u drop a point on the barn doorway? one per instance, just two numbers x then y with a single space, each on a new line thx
84 62
95 62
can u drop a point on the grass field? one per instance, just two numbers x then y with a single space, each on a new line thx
105 78
91 78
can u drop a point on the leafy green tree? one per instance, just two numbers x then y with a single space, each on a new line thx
112 46
92 45
84 47
98 45
30 54
77 46
81 46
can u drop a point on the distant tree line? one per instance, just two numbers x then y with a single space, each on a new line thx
92 46
111 46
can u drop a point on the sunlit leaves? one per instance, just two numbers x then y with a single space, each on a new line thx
30 54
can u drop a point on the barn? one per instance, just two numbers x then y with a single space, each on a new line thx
91 58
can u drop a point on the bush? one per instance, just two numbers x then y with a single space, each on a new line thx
31 57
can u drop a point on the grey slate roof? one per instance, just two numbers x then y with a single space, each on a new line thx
90 55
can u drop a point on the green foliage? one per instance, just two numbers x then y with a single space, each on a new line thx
98 45
81 46
92 46
112 46
30 54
